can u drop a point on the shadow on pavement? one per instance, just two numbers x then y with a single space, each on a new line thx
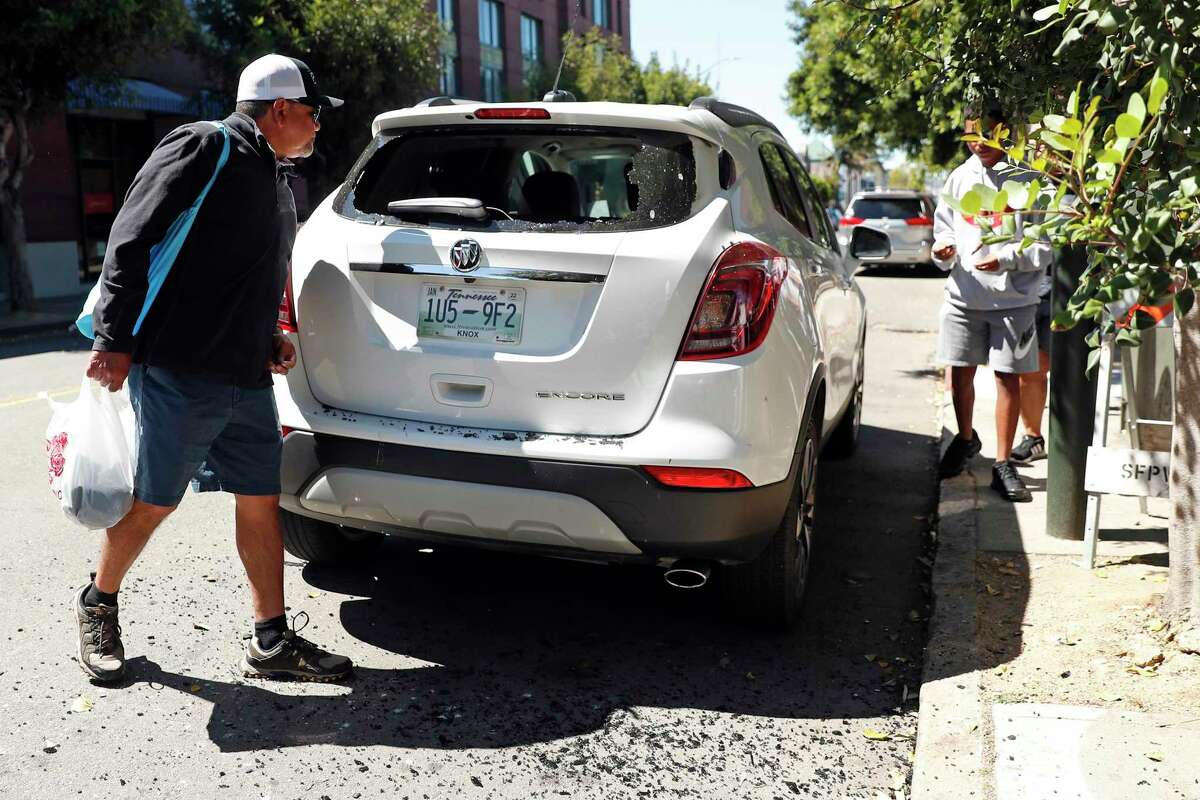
44 342
901 271
521 650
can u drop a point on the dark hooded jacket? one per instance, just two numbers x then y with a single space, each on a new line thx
216 313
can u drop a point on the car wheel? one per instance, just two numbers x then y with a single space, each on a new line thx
320 542
770 590
844 438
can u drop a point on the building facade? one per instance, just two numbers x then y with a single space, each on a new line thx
492 49
87 154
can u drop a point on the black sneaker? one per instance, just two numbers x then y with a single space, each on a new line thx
1008 483
1031 448
100 651
294 658
955 459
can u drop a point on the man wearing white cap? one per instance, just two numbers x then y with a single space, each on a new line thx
199 356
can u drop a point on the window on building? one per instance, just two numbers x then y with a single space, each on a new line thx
531 43
492 85
448 80
491 27
491 50
602 18
582 7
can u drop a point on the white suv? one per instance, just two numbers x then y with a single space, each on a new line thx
906 217
598 331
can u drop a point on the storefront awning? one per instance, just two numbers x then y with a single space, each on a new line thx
132 94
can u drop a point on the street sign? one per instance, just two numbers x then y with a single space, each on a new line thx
1133 473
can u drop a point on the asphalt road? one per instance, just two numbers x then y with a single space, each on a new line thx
480 675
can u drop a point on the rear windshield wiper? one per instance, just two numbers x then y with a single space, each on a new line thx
461 207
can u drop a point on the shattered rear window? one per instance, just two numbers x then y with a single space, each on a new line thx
532 178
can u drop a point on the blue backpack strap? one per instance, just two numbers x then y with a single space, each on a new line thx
163 254
220 163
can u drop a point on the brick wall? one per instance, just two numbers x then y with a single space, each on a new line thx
557 17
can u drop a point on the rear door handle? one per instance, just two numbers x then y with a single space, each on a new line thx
464 391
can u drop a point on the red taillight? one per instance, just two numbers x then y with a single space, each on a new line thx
284 430
848 221
512 113
737 305
287 308
699 477
923 221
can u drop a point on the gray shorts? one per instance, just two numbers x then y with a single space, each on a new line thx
1005 341
1044 314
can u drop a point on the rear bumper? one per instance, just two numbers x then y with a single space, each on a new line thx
595 511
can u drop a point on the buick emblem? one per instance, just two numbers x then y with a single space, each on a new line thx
464 255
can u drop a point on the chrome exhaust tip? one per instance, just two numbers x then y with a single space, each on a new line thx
687 574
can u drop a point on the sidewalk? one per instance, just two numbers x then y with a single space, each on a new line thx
53 314
1042 679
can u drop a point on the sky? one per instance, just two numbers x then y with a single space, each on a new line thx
745 48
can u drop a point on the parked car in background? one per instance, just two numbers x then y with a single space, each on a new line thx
905 216
598 331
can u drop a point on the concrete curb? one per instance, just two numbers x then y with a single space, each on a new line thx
949 753
33 328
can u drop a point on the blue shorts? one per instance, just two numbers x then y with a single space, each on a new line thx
192 429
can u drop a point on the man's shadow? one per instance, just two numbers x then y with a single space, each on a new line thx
518 650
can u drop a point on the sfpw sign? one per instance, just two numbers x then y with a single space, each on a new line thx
1134 473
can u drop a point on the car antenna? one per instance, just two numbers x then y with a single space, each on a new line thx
556 95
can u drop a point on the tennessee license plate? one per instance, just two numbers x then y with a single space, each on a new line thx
471 314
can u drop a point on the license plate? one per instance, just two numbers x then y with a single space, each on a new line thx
471 314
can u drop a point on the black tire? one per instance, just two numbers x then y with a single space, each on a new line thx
320 542
844 438
769 590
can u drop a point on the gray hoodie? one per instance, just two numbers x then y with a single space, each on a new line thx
1018 281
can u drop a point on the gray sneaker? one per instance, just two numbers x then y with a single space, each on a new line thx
1031 448
294 658
100 651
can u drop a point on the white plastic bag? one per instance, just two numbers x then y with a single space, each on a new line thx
92 446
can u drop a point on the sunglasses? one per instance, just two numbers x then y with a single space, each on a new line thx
314 111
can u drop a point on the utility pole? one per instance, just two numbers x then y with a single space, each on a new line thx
1072 408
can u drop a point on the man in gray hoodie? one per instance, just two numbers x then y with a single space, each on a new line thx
988 317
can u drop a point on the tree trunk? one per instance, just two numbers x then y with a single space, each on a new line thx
12 231
14 131
1183 596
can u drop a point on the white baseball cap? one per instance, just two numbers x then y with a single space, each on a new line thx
274 76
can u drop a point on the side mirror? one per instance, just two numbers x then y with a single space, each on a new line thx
868 244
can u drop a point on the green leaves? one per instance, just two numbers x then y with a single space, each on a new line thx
1158 92
1128 126
954 203
1053 121
971 203
1137 108
1017 195
1043 14
1058 141
1184 300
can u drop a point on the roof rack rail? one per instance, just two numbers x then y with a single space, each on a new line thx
730 114
442 100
